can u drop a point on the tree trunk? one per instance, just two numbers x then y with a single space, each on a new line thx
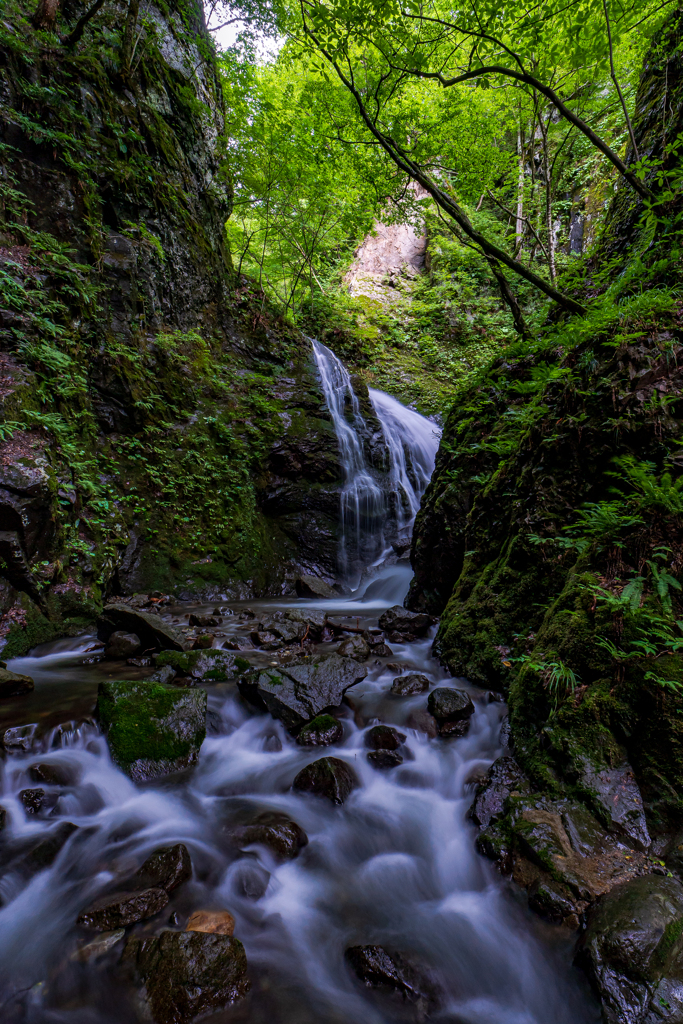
45 14
519 220
129 33
548 199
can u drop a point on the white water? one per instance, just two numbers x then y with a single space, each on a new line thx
377 506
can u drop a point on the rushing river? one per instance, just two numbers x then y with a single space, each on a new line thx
394 866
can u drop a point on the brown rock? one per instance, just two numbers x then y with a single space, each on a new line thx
14 685
122 908
217 922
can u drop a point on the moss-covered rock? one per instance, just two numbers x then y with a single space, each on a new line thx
152 729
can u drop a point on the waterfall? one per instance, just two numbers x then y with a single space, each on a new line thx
378 505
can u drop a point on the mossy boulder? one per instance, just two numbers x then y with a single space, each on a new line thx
211 665
321 732
151 729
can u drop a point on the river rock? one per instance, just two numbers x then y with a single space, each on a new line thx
555 901
400 620
407 686
321 732
214 922
206 665
122 645
151 629
382 651
615 797
328 777
313 586
54 773
422 721
503 776
238 643
284 837
166 868
354 647
633 950
12 684
99 946
303 687
188 974
48 849
119 909
19 739
204 621
385 759
152 729
384 737
379 968
34 800
452 709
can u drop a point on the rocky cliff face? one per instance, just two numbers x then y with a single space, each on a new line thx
162 428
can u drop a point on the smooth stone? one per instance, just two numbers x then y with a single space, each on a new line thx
446 703
382 651
166 868
328 777
354 647
312 586
119 909
54 773
122 645
407 686
503 776
151 629
422 721
379 968
284 837
213 922
152 729
384 737
385 759
399 620
204 621
321 732
188 974
615 797
99 946
303 687
12 684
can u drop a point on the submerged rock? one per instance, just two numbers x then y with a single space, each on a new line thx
385 759
120 909
633 950
54 773
379 968
12 684
47 851
406 686
99 946
321 732
152 729
151 629
166 868
384 737
400 620
303 687
122 645
328 777
354 647
284 837
188 974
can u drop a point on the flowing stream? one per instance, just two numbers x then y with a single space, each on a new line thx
394 866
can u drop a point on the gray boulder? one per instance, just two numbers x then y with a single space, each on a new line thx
122 645
503 776
151 629
354 647
633 950
452 710
615 797
313 586
410 684
187 974
302 687
400 620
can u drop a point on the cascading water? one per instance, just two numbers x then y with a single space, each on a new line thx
378 506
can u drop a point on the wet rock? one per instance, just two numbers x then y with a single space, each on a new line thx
151 629
503 776
212 922
12 684
400 620
422 721
266 641
354 647
406 686
34 800
204 642
122 645
382 651
452 709
251 880
188 974
633 950
321 732
205 621
328 777
312 586
205 665
3 818
18 739
152 729
674 854
284 837
385 759
315 621
165 674
119 909
238 643
494 843
553 900
99 946
54 773
615 797
47 851
303 687
384 737
166 868
379 968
